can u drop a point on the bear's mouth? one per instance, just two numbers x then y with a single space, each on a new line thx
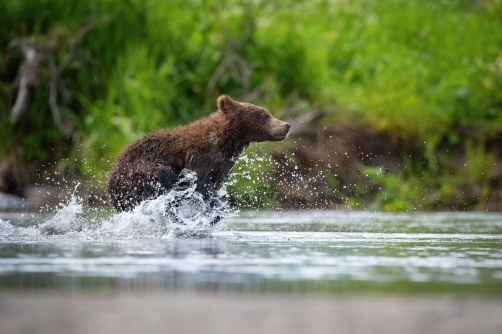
280 136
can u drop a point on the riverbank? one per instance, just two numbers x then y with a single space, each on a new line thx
335 166
320 166
44 312
414 86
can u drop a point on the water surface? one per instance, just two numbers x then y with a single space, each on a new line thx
304 252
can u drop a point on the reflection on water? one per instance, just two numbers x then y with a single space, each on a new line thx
318 251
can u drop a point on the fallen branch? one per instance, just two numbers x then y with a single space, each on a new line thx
299 123
29 73
232 57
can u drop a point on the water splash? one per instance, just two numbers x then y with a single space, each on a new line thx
67 219
182 212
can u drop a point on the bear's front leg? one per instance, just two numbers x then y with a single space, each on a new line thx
168 177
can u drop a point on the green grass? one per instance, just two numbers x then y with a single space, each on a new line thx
419 70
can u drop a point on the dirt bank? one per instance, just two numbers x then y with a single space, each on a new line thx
124 313
324 167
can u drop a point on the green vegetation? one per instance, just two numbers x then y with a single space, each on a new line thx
428 72
464 187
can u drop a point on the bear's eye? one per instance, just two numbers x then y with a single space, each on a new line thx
264 116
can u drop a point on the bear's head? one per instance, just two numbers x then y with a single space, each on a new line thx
253 122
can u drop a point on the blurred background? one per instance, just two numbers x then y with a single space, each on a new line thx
396 105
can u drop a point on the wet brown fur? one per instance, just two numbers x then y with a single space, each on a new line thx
210 146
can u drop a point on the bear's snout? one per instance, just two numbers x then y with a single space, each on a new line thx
280 130
287 126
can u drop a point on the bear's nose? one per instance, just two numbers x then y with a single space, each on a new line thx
288 126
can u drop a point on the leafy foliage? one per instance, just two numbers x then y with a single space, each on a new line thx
420 70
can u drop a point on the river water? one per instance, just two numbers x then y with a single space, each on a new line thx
261 252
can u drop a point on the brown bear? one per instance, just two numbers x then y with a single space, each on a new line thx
151 166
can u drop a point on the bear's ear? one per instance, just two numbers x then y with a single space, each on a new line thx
226 104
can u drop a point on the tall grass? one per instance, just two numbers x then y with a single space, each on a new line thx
420 70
